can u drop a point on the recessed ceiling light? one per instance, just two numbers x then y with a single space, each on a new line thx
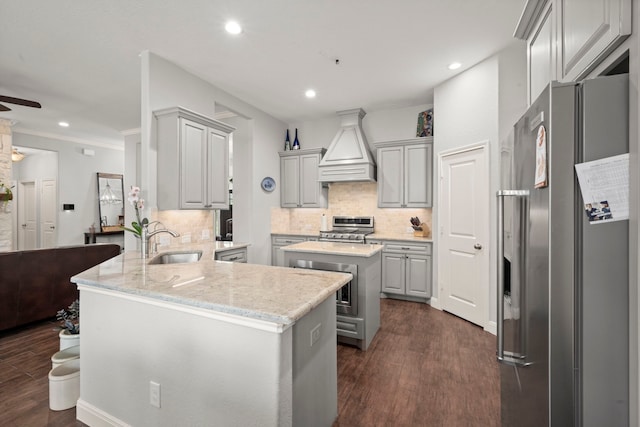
63 124
310 93
454 65
233 27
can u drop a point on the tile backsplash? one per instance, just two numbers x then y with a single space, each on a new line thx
345 198
348 198
189 223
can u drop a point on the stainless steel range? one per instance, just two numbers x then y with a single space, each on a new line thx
351 229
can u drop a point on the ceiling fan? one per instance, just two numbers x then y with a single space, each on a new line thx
17 101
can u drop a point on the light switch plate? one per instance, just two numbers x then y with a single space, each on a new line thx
205 234
186 238
154 394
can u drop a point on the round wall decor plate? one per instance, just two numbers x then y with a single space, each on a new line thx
268 184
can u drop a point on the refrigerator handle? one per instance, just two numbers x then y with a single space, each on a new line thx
523 195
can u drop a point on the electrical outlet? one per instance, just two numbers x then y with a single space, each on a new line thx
154 394
315 334
186 238
164 240
205 234
409 230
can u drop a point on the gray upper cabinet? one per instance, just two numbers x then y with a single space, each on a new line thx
567 39
299 187
541 64
590 32
193 160
405 173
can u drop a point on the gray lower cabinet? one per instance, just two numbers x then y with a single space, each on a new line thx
232 255
280 240
406 269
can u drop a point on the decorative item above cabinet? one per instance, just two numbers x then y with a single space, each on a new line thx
193 160
405 170
299 186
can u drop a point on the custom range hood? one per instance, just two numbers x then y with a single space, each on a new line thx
348 157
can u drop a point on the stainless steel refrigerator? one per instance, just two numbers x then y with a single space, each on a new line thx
563 281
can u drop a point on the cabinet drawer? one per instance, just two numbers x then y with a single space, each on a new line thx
287 240
350 327
407 248
232 256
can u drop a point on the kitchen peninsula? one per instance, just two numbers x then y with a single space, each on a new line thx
207 343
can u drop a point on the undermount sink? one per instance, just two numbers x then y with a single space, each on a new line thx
177 257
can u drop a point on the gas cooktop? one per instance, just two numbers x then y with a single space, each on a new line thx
348 229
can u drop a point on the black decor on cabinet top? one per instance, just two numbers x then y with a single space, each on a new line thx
296 143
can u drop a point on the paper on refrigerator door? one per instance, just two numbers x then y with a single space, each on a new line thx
604 185
541 158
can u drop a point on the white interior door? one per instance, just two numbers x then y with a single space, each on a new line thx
464 234
28 216
48 214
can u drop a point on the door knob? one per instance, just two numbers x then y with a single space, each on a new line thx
477 246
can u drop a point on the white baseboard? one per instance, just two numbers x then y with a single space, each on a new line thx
95 417
435 303
491 327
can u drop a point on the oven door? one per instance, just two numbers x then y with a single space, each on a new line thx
347 296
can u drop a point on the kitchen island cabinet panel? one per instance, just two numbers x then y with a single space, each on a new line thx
360 328
280 240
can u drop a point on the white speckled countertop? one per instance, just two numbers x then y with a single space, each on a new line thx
407 237
335 248
273 294
221 246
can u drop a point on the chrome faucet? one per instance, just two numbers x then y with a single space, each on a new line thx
146 235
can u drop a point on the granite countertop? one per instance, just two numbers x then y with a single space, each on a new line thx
407 237
274 294
298 233
335 248
221 246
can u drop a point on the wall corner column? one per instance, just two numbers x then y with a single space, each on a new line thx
6 229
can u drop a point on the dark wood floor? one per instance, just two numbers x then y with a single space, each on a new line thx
424 368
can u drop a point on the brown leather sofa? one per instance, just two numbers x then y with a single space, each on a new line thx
35 284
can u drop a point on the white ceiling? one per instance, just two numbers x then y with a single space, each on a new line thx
80 58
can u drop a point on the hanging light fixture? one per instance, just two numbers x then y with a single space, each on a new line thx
16 156
108 197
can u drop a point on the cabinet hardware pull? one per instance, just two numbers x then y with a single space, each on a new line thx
406 249
234 258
